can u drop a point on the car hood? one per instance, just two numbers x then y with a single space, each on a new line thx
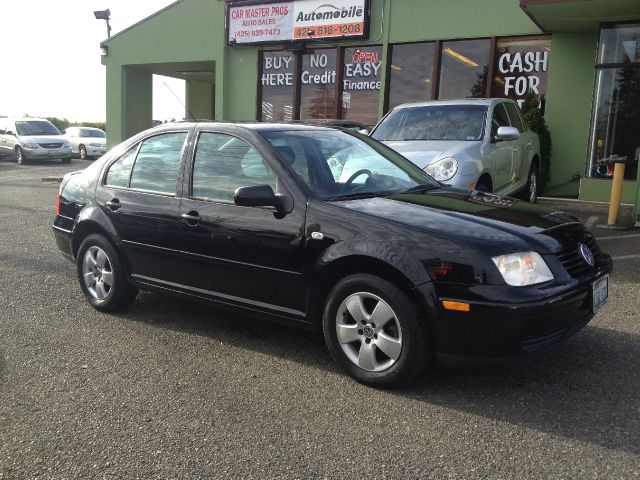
495 225
423 152
42 139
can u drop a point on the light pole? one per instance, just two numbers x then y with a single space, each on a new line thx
104 15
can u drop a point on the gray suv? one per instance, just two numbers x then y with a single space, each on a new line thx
32 139
482 144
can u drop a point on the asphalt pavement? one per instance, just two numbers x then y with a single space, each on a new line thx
171 389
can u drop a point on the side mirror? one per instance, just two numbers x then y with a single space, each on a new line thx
364 131
507 133
9 132
262 196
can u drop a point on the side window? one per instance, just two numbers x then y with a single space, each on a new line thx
514 116
223 163
120 170
156 167
499 119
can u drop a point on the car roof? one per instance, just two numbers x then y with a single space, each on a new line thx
458 101
256 126
28 119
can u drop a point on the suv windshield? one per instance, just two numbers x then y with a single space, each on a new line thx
85 132
433 122
338 164
36 127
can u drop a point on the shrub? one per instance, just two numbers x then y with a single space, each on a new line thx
534 116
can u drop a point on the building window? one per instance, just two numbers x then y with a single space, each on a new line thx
616 112
277 86
361 84
411 72
522 64
318 85
464 68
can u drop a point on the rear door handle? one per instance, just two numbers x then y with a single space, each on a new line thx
191 217
114 204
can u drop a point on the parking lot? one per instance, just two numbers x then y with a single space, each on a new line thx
177 390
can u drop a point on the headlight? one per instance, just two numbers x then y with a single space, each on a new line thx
443 169
31 146
527 268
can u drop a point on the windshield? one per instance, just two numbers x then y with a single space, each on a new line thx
338 164
85 132
433 122
36 127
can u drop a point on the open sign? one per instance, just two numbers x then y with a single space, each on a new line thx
360 56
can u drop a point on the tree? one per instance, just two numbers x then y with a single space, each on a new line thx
535 118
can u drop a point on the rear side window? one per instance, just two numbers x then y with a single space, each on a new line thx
156 166
223 163
120 171
514 115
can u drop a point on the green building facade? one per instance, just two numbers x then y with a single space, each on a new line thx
582 58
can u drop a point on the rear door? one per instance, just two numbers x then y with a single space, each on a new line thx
140 194
245 256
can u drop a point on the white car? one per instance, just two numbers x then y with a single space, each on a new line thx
87 142
482 144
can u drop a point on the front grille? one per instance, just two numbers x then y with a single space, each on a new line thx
50 145
573 262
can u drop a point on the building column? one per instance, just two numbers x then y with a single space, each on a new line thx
129 102
199 100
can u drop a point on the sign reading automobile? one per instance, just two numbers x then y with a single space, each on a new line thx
296 20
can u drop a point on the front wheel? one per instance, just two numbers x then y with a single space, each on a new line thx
375 332
19 156
530 193
102 278
83 152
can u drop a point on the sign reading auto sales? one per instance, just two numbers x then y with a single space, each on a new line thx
296 20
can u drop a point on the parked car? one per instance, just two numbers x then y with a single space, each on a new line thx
482 144
87 142
398 270
32 139
335 123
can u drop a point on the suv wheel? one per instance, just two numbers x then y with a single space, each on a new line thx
19 155
531 191
101 275
375 333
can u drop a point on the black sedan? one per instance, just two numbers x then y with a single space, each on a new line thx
330 230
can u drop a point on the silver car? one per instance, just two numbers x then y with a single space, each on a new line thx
87 142
32 139
482 144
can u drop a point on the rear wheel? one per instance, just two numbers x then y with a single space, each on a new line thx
83 152
19 155
101 275
375 332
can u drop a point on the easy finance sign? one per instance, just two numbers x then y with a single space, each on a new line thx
296 20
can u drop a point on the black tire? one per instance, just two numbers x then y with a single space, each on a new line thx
415 355
484 185
121 293
20 156
530 193
82 150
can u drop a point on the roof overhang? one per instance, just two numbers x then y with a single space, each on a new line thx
579 15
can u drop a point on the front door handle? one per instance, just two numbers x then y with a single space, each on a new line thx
191 217
114 204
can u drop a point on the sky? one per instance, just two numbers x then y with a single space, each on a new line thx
50 63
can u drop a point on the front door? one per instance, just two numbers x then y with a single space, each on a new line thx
504 153
244 256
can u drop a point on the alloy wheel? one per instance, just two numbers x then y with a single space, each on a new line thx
97 273
369 332
533 187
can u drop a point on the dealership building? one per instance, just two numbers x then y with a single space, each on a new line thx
356 59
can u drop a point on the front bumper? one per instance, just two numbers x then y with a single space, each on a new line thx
46 153
508 322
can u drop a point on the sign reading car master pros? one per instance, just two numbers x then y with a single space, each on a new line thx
296 20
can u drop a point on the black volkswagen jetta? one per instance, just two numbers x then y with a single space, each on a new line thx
329 229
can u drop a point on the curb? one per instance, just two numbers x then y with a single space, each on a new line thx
51 179
583 206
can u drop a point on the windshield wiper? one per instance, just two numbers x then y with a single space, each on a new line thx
353 195
420 188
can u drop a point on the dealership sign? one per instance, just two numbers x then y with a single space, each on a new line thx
296 20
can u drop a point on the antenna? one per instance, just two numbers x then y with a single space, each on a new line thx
179 101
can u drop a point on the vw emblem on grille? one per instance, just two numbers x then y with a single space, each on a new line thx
586 254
